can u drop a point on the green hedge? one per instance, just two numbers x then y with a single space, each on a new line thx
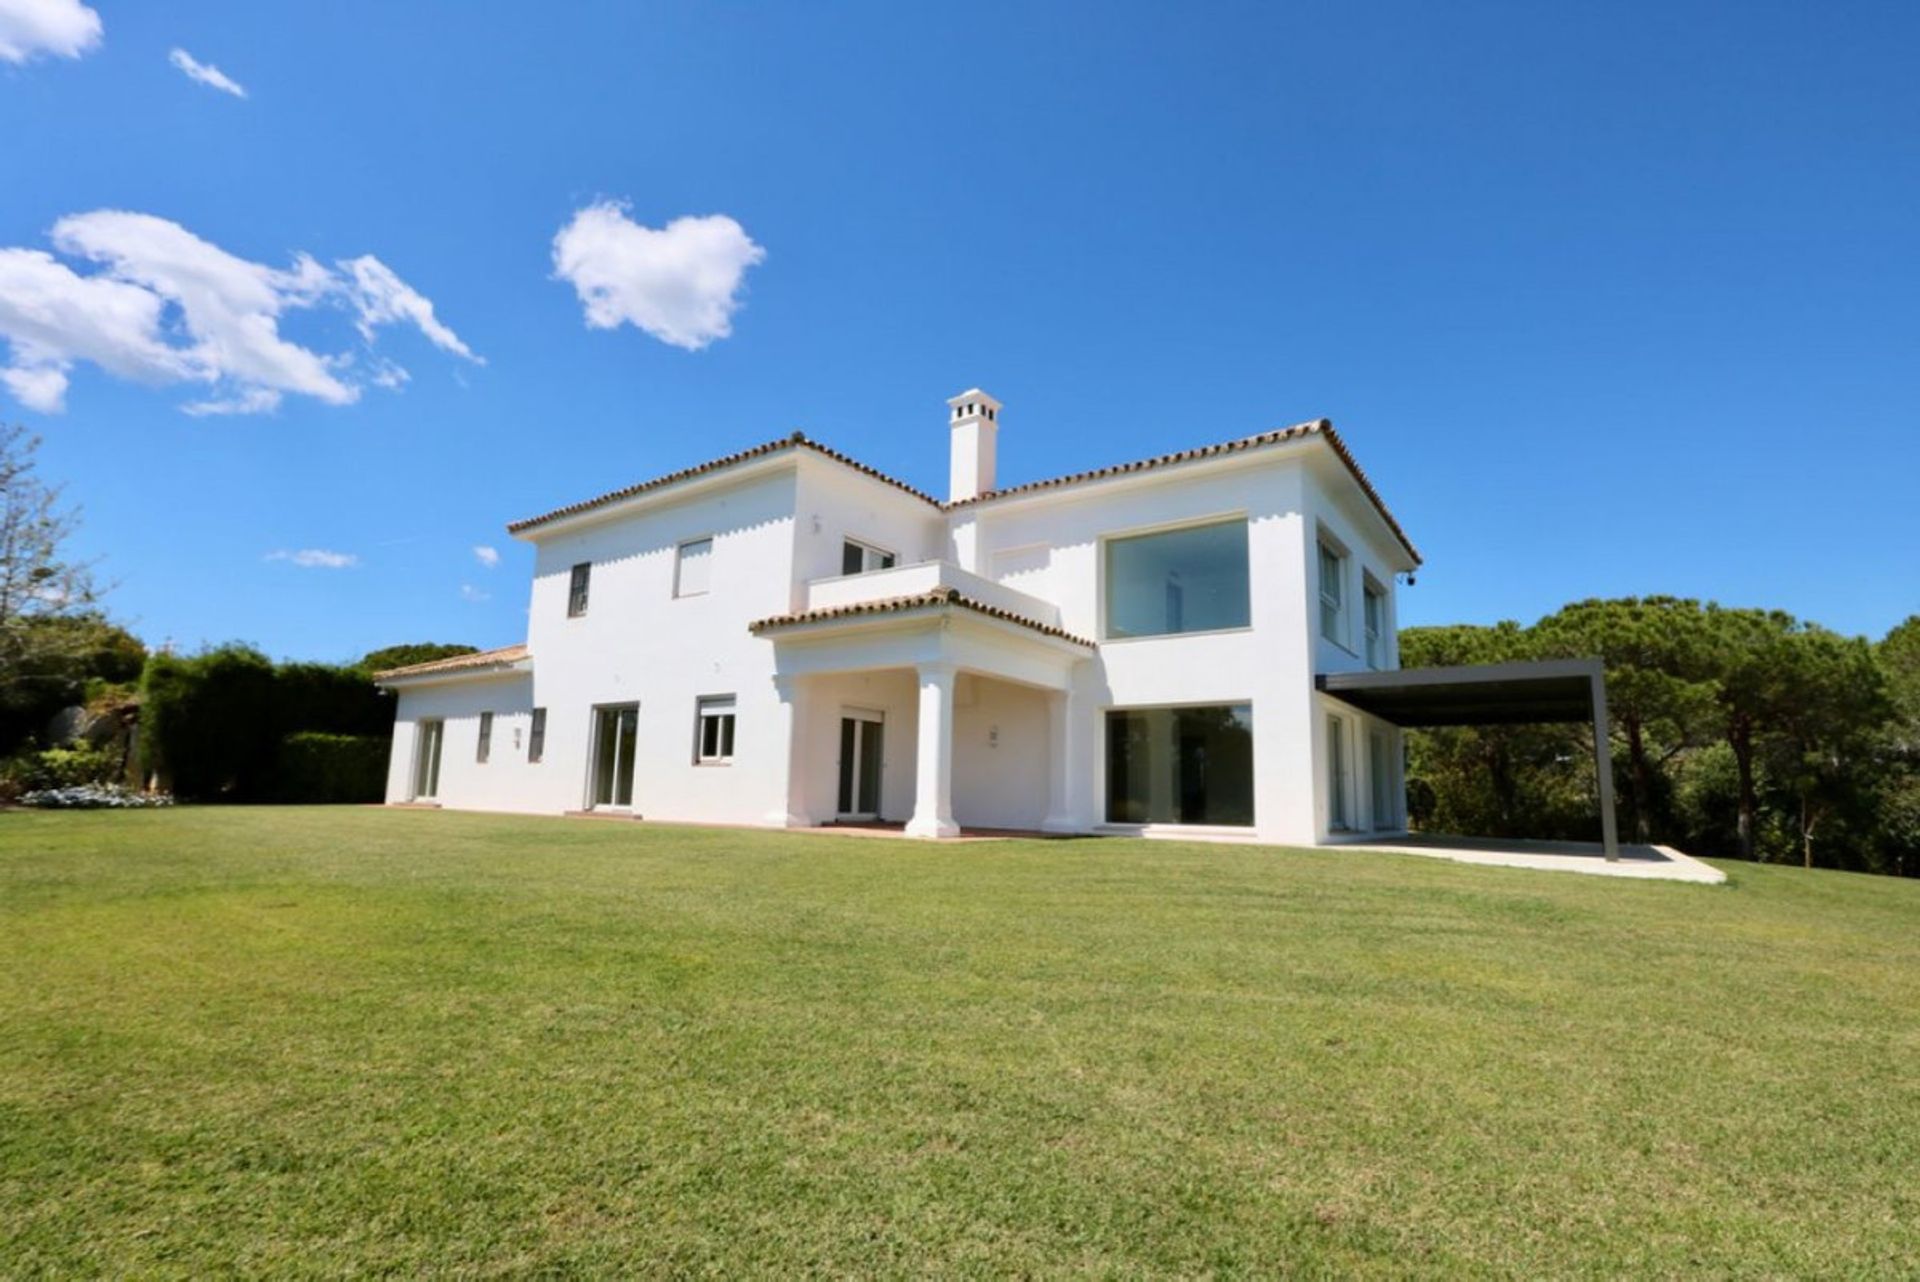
215 726
315 766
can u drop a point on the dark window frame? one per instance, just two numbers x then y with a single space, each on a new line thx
579 587
483 745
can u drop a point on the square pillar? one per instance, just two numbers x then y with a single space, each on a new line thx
1059 769
791 725
933 783
1603 769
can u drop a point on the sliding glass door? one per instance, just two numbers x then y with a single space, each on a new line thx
426 758
1180 765
860 740
616 729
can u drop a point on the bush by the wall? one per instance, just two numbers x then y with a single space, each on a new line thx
315 766
32 771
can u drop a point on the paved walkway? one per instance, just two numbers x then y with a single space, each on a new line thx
1653 863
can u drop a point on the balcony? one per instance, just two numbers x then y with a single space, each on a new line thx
919 578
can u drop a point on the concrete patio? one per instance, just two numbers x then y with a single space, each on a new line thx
1651 863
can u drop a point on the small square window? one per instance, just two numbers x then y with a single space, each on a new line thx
713 730
577 589
692 570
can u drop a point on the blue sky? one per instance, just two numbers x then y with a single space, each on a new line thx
1608 299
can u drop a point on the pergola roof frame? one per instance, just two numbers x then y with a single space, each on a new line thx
1492 694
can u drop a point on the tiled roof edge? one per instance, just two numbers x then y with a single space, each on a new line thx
1299 431
797 440
920 600
455 663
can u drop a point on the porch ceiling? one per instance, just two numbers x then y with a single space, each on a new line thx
1481 695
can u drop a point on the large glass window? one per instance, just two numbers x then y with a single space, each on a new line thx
1333 594
1376 608
1180 765
1188 580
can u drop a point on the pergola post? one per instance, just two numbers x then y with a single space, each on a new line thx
1603 768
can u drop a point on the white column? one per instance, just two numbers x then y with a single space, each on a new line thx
791 727
933 784
1059 764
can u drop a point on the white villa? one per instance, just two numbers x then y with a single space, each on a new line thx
1200 644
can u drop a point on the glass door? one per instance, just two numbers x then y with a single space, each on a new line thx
1380 770
616 729
860 743
426 759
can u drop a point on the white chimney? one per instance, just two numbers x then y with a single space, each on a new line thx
975 422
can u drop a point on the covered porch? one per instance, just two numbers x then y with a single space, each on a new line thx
1540 692
934 712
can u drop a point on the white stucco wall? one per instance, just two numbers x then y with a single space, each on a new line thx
505 781
780 524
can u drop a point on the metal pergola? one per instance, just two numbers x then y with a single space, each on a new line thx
1493 694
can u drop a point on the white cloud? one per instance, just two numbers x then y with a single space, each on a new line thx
316 559
470 593
486 556
203 72
382 298
679 283
166 306
64 28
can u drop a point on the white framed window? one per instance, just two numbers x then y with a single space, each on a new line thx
863 558
1333 592
1374 601
693 567
713 730
484 748
1339 777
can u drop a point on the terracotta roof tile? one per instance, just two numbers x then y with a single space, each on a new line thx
919 601
457 663
797 441
1319 427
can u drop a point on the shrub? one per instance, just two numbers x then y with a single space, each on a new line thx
32 771
95 796
319 767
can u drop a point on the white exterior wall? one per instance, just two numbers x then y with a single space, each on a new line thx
779 526
1057 546
505 781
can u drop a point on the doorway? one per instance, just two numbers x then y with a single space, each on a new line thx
616 730
860 745
1380 773
426 759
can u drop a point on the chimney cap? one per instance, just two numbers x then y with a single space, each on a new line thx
977 397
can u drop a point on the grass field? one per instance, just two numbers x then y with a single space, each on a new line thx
329 1041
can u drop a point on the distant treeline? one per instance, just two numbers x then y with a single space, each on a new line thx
1744 733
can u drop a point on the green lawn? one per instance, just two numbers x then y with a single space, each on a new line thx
329 1041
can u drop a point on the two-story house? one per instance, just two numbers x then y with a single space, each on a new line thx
788 637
